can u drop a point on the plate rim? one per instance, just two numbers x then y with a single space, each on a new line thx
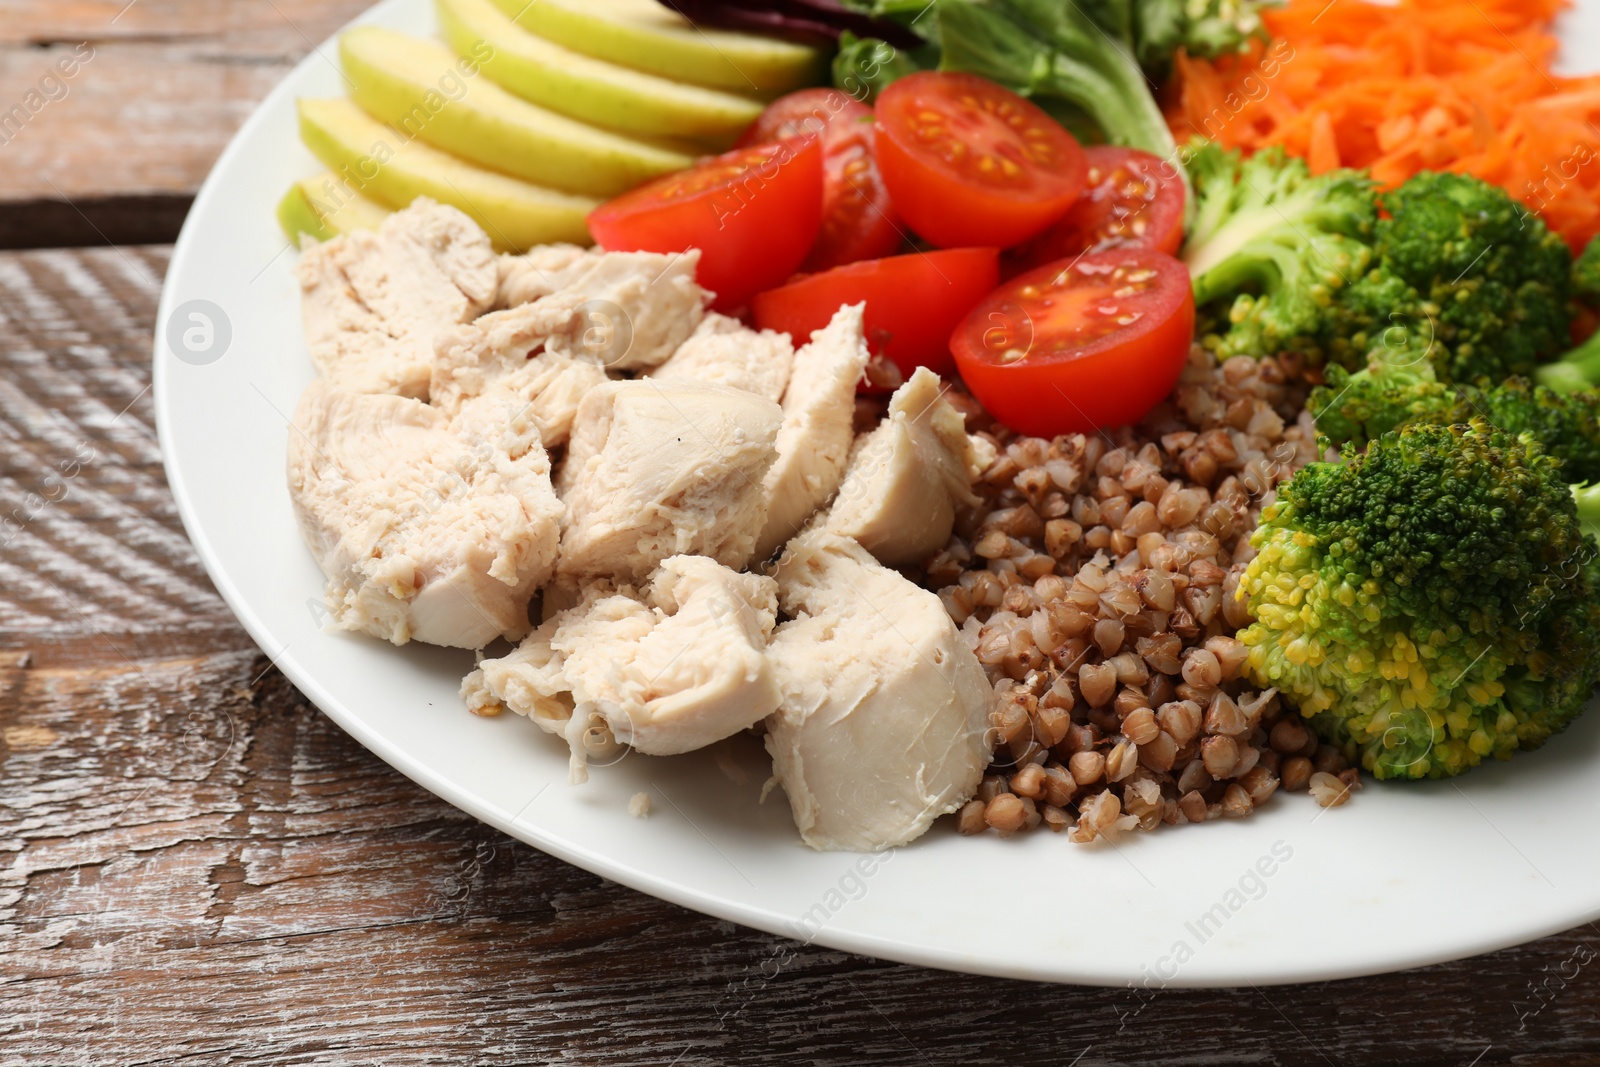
596 861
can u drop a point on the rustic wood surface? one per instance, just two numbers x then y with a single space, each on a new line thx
199 867
115 152
202 868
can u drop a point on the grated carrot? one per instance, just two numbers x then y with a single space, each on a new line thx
1460 85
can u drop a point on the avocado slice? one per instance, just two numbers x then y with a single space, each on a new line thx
324 207
385 165
423 90
648 36
590 90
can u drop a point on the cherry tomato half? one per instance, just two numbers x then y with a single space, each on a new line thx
1134 200
1078 345
913 302
970 163
858 217
752 212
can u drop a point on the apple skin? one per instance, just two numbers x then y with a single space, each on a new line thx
380 163
648 36
422 88
304 210
591 90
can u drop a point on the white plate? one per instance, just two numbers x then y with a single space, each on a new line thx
1403 876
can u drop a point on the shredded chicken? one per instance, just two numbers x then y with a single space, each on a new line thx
908 477
372 302
508 354
723 351
660 469
885 708
626 310
818 428
419 473
425 530
540 271
669 671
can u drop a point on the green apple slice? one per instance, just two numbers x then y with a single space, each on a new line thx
423 90
590 90
648 36
325 207
383 164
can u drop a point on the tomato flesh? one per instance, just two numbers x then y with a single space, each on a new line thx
1079 345
858 216
970 163
806 113
753 213
1133 200
913 302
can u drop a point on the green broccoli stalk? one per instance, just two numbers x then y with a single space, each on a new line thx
1429 602
1579 368
1272 246
1588 498
1586 276
1363 407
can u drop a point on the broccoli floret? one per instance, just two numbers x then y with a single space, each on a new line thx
1272 246
1586 276
1154 30
1428 602
1203 28
1456 272
1363 407
1465 273
1577 370
1580 368
1588 498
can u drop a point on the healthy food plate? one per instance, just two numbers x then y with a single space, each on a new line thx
1402 876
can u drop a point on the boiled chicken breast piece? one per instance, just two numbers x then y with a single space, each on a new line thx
818 427
540 271
885 709
551 387
632 310
908 477
427 530
508 356
723 351
626 310
372 302
669 671
689 669
527 680
661 469
610 310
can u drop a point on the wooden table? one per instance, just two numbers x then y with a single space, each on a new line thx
201 868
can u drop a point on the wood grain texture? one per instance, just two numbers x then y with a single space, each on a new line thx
157 88
199 867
